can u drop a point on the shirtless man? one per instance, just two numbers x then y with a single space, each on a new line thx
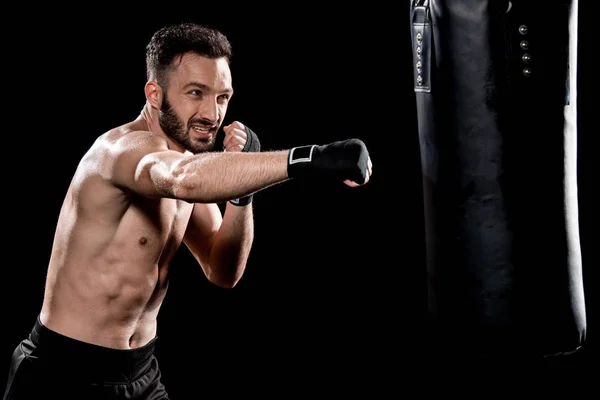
142 190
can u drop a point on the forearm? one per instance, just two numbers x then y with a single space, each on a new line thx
218 177
232 245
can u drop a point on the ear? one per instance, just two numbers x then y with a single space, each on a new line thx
154 94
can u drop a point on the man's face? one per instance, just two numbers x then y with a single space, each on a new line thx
195 103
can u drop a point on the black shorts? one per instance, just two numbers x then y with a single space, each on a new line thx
50 365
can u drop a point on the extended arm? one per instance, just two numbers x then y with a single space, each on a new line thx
147 167
222 244
213 177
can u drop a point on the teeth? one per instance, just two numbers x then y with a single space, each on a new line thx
203 130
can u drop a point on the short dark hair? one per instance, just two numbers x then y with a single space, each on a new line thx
177 39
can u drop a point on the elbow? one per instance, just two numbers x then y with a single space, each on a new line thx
181 186
224 283
157 179
226 280
182 191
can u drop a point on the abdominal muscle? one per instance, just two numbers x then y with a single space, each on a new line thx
107 308
105 285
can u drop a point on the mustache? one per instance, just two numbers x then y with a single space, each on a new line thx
203 122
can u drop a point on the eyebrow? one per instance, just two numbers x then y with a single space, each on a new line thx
202 86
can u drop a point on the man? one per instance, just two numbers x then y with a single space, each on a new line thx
142 190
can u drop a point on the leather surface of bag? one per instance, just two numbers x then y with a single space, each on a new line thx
495 86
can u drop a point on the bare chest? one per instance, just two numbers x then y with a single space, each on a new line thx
158 226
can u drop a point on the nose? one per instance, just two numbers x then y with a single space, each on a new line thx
209 110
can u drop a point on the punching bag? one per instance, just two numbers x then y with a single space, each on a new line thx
495 84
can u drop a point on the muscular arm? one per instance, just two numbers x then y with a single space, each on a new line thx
146 166
221 245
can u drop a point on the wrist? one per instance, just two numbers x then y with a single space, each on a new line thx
299 160
242 201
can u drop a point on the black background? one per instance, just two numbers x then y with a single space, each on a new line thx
334 290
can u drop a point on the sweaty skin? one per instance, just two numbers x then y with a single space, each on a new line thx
138 195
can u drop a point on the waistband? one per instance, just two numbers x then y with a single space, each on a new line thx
101 363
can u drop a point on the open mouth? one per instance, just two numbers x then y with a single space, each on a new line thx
202 132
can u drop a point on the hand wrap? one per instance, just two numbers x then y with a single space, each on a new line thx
252 145
346 159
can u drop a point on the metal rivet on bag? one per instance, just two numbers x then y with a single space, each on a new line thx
523 30
527 71
419 36
524 44
419 80
418 66
526 58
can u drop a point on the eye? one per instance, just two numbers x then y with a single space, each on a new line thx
195 92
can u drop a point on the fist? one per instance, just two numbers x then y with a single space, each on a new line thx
236 137
348 160
368 173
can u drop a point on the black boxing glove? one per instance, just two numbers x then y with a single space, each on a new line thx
346 159
252 145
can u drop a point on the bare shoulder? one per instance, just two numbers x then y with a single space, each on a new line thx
126 141
117 151
105 169
131 137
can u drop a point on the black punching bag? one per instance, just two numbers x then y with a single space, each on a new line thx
495 86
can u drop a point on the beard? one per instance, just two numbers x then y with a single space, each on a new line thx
175 128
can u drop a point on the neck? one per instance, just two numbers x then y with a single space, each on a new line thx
149 115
